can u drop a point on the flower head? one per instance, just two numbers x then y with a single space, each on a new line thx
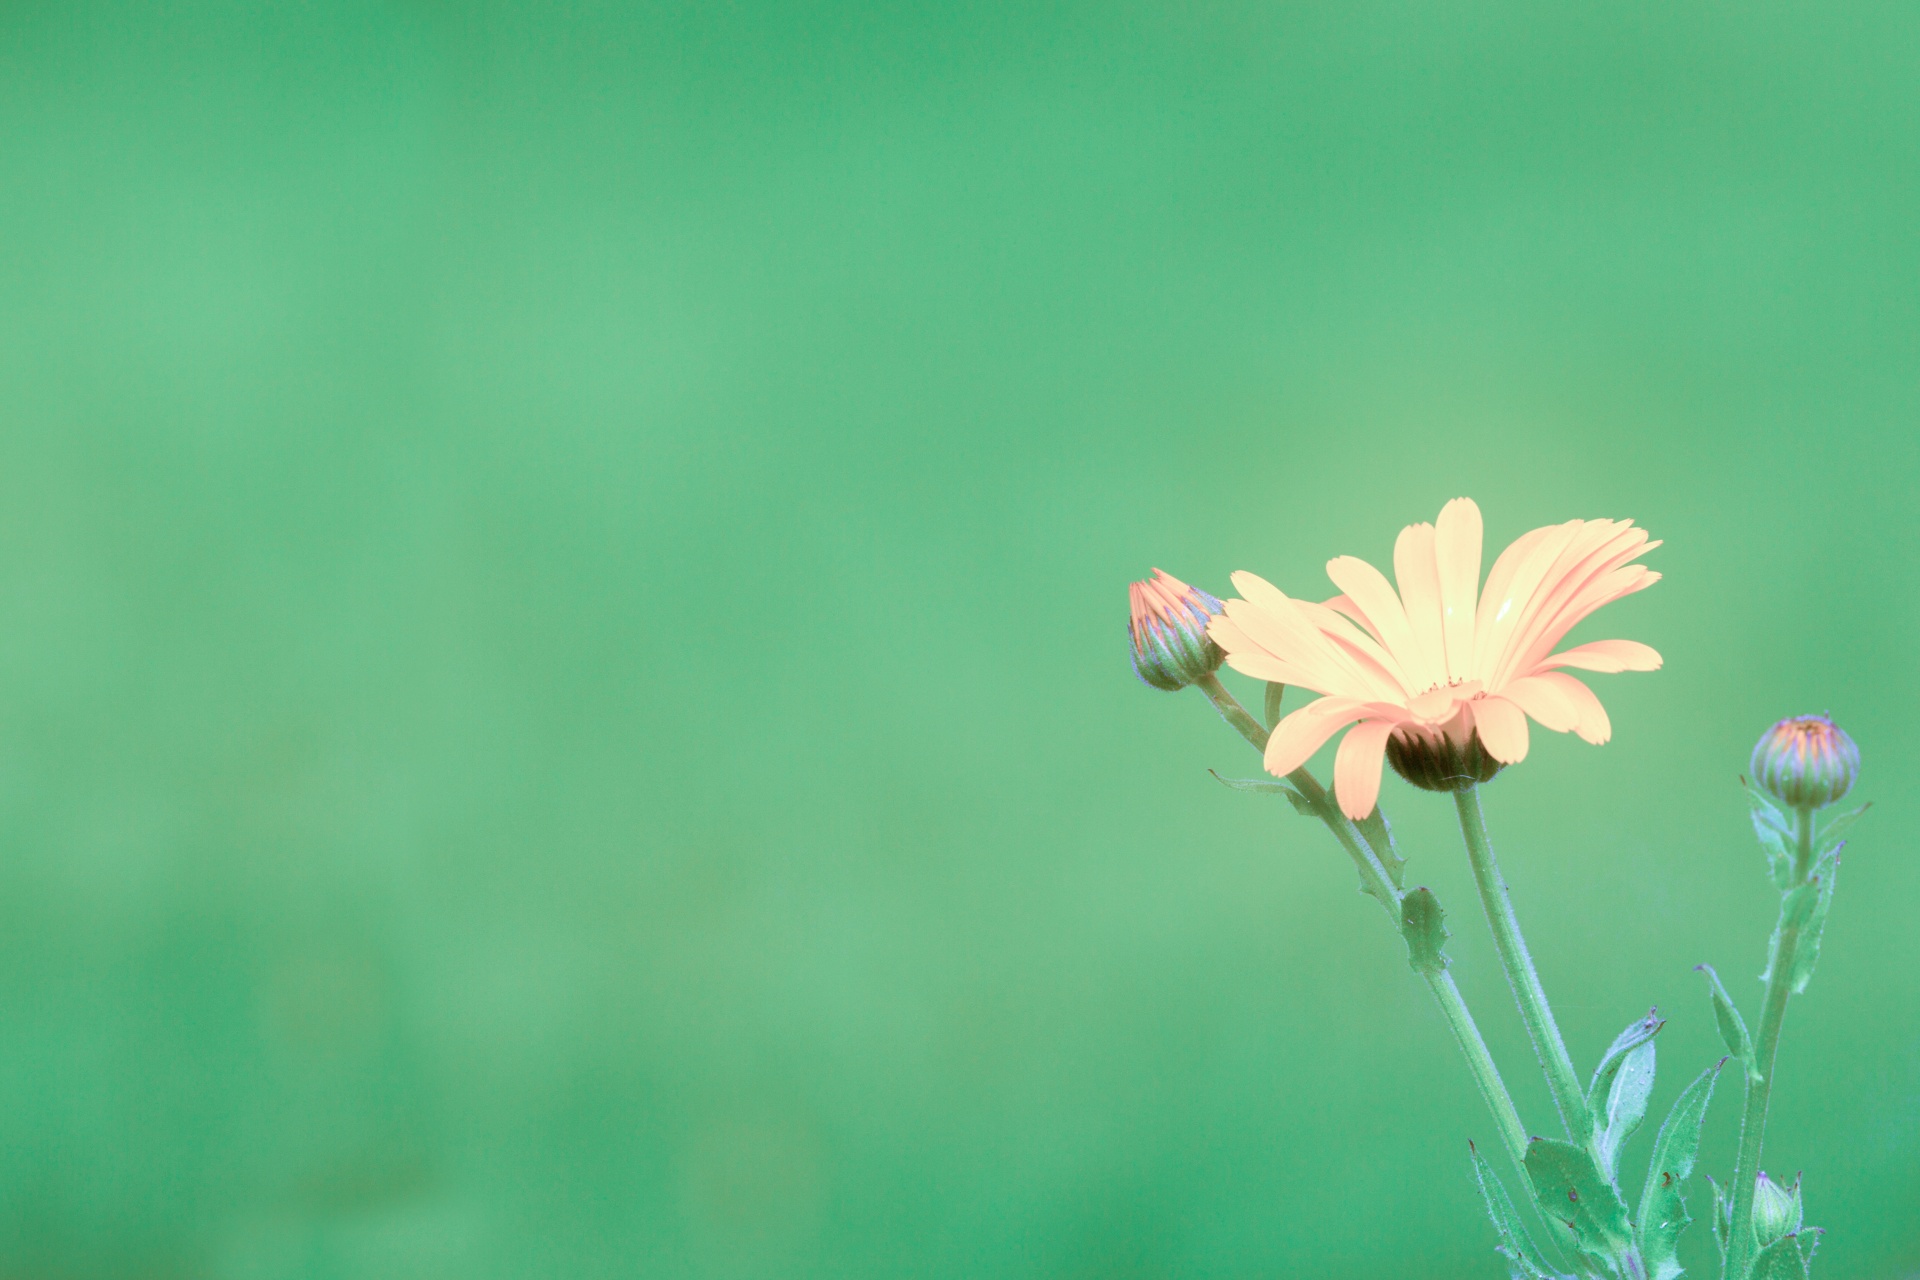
1776 1209
1806 762
1168 632
1441 675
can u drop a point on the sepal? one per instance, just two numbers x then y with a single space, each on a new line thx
1788 1258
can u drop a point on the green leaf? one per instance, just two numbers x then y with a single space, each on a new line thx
1722 1219
1572 1189
1807 953
1637 1034
1379 835
1663 1211
1833 835
1733 1028
1625 1108
1796 911
1275 692
1421 924
1808 1239
1510 1231
1273 787
1775 831
1781 1260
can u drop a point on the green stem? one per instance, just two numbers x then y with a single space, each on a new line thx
1373 875
1741 1244
1568 1097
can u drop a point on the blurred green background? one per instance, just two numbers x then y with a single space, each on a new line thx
563 702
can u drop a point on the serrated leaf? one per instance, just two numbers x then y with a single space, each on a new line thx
1421 924
1781 1260
1378 834
1833 835
1807 953
1571 1189
1775 832
1636 1034
1663 1210
1275 692
1510 1231
1733 1028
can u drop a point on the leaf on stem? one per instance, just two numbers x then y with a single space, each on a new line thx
1663 1211
1510 1231
1775 831
1270 786
1733 1028
1378 834
1833 835
1421 924
1572 1189
1638 1033
1807 954
1275 692
1626 1106
1796 911
1722 1219
1782 1260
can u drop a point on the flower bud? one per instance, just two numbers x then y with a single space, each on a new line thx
1168 631
1807 762
1776 1209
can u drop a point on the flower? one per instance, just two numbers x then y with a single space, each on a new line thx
1168 631
1440 676
1776 1209
1806 762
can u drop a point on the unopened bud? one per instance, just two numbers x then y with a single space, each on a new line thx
1807 762
1776 1209
1168 632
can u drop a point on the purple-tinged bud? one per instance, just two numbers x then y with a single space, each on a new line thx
1776 1210
1807 762
1168 632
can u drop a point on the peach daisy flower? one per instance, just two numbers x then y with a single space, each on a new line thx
1441 676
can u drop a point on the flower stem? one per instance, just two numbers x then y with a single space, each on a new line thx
1568 1097
1373 875
1741 1243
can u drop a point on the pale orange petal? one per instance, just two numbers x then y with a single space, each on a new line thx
1502 727
1356 767
1457 537
1544 701
1298 736
1285 635
1594 725
1494 645
1369 591
1418 576
1607 655
1591 572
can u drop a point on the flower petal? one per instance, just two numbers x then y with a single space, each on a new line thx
1502 726
1369 592
1594 725
1607 655
1544 701
1356 767
1457 537
1415 569
1298 736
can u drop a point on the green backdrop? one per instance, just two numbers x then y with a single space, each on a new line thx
563 702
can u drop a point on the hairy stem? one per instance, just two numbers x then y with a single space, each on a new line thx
1373 874
1568 1097
1741 1244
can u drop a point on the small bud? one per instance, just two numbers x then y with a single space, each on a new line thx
1168 631
1776 1209
1807 762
